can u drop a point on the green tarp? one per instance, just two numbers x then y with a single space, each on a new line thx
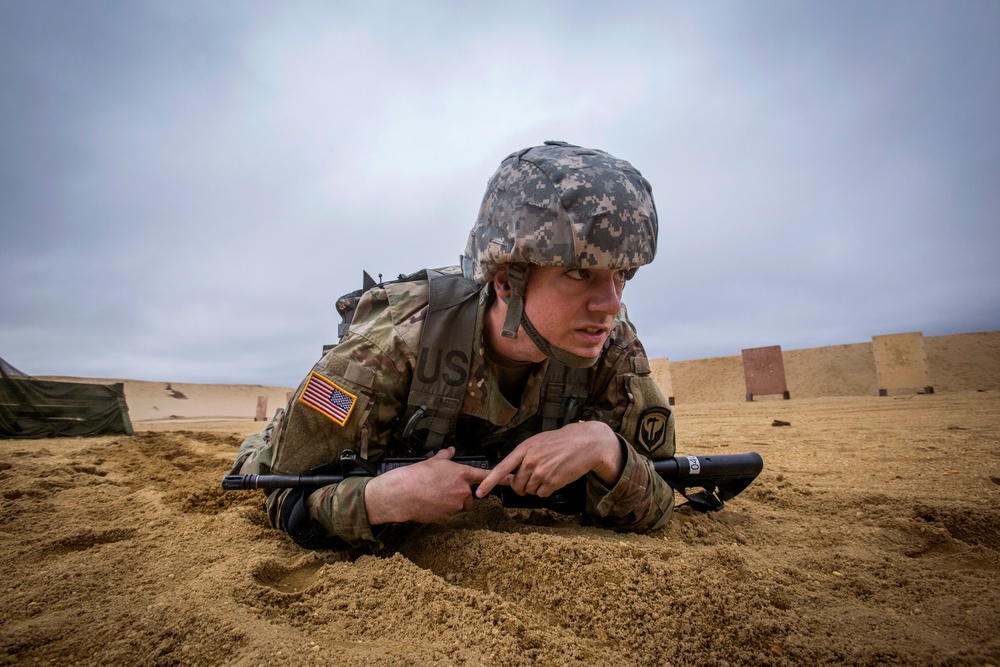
32 408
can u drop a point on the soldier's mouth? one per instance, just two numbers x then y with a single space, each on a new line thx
593 334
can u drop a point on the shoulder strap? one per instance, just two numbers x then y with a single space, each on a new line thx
442 372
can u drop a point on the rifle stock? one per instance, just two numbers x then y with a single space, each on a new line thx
720 476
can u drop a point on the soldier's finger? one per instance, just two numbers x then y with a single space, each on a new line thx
475 475
522 482
500 472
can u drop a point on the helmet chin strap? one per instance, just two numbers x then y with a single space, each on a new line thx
517 278
517 275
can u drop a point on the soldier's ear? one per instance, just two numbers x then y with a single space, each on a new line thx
501 280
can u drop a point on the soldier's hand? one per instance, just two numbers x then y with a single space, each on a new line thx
548 461
426 492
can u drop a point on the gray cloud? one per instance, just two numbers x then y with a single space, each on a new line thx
185 188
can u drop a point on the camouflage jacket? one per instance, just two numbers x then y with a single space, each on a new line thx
369 374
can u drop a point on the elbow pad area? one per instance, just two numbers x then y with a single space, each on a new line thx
295 521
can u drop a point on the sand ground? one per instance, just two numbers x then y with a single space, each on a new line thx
872 537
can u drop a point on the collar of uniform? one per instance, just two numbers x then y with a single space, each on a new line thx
483 398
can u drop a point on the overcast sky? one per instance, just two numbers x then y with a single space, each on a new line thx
186 186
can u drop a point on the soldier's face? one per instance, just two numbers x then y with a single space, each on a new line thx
574 309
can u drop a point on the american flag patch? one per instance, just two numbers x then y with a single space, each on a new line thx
328 398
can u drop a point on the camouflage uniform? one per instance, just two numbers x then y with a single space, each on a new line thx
372 368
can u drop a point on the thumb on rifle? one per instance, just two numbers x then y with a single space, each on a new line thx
446 453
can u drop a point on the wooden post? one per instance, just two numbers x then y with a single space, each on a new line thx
261 409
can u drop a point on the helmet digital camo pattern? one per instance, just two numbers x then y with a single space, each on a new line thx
560 205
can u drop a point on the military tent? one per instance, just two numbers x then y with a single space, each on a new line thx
31 408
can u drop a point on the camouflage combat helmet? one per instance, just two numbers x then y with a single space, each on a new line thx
560 205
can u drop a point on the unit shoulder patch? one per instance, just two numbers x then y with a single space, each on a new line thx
652 432
328 398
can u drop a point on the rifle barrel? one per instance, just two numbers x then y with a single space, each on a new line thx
234 482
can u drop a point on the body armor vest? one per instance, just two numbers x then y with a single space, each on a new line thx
445 357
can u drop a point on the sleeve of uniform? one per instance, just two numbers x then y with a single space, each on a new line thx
336 511
633 405
350 400
640 501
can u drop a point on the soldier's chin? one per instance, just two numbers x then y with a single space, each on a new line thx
586 351
587 345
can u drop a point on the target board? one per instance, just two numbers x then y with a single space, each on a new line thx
901 363
764 371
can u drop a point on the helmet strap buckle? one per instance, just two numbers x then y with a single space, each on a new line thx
517 278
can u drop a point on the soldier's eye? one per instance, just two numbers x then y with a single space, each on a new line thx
578 274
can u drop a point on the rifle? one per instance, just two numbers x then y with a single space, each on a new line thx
720 477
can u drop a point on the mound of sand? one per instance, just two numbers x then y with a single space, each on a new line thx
872 537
